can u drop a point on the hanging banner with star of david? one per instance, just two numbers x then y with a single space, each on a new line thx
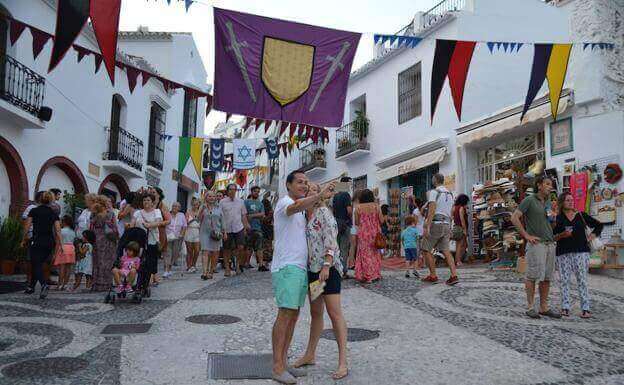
244 153
217 154
279 70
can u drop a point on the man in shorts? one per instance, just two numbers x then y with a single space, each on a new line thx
235 224
437 229
289 268
255 237
540 250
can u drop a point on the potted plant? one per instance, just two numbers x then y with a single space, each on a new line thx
360 124
11 235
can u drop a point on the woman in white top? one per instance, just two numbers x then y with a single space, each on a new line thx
84 220
191 237
149 219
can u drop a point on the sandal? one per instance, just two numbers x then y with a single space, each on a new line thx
299 364
340 374
565 312
586 314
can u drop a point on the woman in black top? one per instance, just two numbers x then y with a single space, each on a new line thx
46 236
573 251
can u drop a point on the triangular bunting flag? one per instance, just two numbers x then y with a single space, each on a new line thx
593 45
498 45
227 117
393 38
441 61
415 41
258 124
292 127
384 39
105 20
458 72
40 39
315 134
300 130
98 61
267 125
71 16
377 38
247 122
197 147
585 45
16 30
283 126
187 4
519 46
209 101
556 73
184 153
538 74
505 46
283 148
490 46
402 40
145 77
81 52
132 74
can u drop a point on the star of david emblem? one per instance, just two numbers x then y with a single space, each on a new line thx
244 153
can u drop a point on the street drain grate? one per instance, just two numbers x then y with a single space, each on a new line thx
213 319
239 366
126 328
45 367
353 334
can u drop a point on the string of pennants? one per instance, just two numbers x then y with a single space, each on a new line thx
40 38
550 63
187 3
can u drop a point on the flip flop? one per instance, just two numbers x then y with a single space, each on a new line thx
304 364
336 376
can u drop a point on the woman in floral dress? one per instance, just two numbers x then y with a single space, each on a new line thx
104 225
368 219
324 265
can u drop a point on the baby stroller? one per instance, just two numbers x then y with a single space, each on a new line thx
141 285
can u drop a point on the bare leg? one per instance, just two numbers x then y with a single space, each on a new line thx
117 276
189 254
280 338
451 262
131 276
334 310
316 328
77 280
430 263
260 257
459 251
289 336
205 262
88 282
227 254
212 255
240 257
195 253
530 293
544 288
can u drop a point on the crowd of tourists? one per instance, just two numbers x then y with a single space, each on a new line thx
107 242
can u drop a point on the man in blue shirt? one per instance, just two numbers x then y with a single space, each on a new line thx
255 237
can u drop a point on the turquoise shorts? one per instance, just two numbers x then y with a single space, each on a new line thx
290 287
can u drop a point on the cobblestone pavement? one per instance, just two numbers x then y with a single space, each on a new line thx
473 333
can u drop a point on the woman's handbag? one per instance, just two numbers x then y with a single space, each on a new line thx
595 244
380 241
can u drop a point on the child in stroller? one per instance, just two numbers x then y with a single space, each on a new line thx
126 274
141 289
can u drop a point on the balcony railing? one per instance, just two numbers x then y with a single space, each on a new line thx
125 147
21 86
312 155
436 13
351 137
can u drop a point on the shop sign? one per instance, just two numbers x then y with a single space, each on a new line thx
561 140
94 169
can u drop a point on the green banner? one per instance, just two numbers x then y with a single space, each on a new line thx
184 153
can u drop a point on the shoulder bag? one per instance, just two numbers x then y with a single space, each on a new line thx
595 244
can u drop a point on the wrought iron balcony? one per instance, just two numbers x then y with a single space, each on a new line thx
352 137
438 11
312 156
125 147
21 86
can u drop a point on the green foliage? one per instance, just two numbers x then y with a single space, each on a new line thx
11 236
73 203
361 124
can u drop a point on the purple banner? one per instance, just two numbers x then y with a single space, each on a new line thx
279 70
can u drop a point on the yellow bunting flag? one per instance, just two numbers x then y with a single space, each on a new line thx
556 73
197 145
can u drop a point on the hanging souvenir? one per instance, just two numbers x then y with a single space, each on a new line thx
597 196
612 173
607 215
619 200
607 194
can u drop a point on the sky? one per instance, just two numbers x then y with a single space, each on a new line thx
365 16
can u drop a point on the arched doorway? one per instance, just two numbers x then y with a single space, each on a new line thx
12 169
118 182
69 168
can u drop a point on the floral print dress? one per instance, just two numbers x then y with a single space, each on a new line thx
368 259
322 236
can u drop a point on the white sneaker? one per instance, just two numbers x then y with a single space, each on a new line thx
193 269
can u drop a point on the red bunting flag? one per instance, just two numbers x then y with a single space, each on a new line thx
40 39
145 77
247 122
258 124
71 16
227 117
98 61
267 124
105 19
82 52
208 104
315 135
283 126
16 30
132 74
292 127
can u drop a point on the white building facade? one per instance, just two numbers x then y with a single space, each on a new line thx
403 147
100 138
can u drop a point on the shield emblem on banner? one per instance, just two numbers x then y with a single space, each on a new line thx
286 69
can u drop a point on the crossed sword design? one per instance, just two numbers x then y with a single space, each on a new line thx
235 46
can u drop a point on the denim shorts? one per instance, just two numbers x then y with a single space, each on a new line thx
411 254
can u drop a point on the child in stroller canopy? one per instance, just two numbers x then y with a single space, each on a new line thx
126 273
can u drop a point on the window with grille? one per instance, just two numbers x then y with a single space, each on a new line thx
189 118
410 93
156 150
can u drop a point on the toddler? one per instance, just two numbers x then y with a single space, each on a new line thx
84 265
66 258
409 238
127 270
